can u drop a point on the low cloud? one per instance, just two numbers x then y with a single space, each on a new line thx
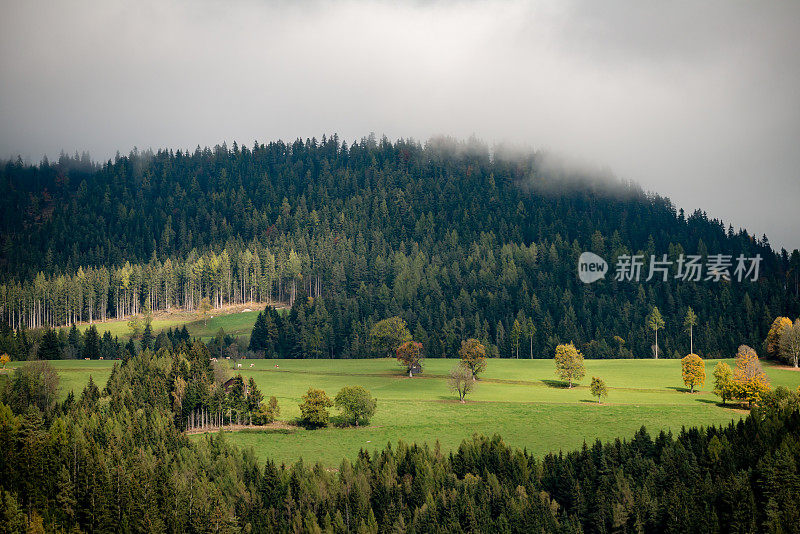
697 102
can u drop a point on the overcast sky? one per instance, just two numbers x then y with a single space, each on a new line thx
697 102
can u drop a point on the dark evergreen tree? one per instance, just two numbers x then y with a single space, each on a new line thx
91 343
147 337
49 347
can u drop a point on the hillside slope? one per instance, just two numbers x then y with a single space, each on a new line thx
458 242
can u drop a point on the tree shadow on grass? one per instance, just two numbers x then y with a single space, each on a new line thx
682 390
730 406
558 384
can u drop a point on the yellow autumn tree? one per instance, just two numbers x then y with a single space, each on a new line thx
779 325
4 359
569 363
694 371
724 386
748 376
205 307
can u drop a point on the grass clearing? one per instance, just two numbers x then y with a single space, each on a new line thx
519 399
235 320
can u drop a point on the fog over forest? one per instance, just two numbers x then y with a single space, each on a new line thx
697 102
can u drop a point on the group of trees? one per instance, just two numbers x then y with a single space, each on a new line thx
357 406
72 343
196 392
570 368
236 275
783 341
457 241
747 382
116 459
655 322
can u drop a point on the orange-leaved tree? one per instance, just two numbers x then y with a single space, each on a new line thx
748 376
409 355
774 336
473 355
694 371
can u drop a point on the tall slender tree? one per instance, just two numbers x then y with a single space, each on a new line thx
689 322
655 323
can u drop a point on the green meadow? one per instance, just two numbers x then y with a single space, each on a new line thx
519 399
234 323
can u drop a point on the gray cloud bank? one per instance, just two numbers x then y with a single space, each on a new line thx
697 101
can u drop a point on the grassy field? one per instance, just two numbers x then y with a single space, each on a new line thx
518 399
234 321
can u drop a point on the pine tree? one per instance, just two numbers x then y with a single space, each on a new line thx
689 322
49 348
258 341
655 323
147 337
91 343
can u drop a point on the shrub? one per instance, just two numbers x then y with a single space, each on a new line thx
267 412
314 408
356 403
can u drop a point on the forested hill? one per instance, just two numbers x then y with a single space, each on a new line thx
458 242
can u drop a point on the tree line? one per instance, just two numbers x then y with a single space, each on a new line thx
234 276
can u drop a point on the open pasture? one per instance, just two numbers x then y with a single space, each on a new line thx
519 399
234 322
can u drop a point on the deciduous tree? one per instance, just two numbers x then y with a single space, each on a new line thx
356 403
409 354
598 388
314 408
774 336
750 379
724 386
569 363
790 343
693 369
205 307
387 335
460 381
473 355
135 326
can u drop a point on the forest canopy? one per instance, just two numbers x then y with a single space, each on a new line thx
456 240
